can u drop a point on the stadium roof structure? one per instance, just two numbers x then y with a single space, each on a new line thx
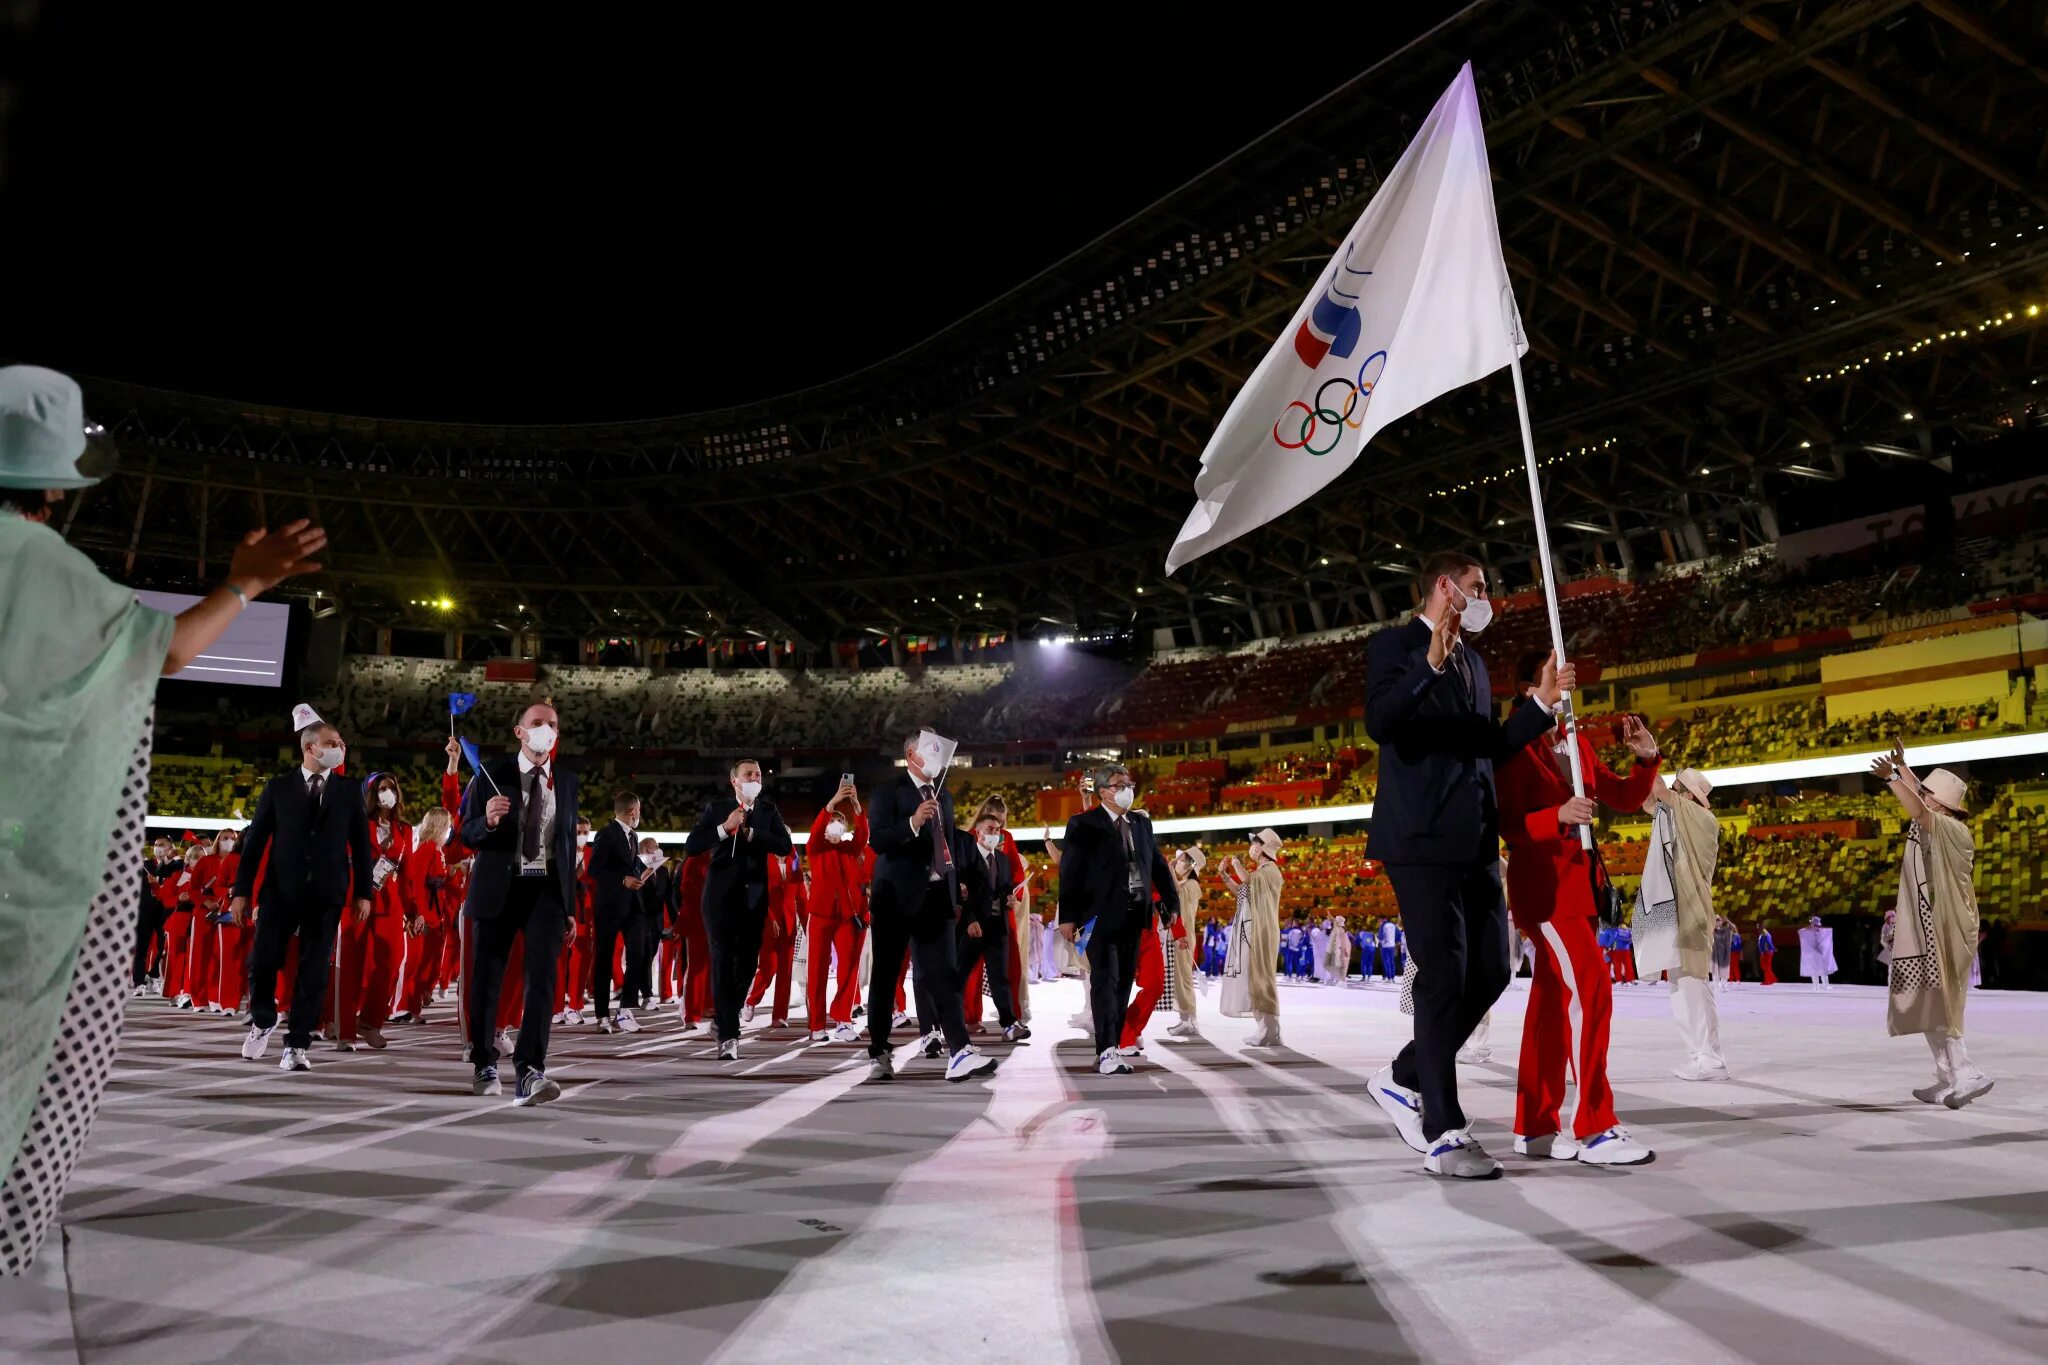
1756 245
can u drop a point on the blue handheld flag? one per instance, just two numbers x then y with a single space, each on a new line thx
460 702
476 762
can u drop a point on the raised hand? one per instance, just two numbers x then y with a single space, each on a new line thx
266 558
1637 736
1442 639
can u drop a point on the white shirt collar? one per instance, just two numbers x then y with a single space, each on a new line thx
631 837
527 765
306 774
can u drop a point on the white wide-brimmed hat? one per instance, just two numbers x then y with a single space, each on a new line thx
45 440
1695 781
1196 858
1269 839
1945 787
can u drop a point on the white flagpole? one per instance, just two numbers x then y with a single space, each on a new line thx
1565 714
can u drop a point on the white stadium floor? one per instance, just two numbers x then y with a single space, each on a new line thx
1219 1205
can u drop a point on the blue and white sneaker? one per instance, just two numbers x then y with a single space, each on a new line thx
1614 1148
535 1088
1456 1154
1548 1146
1402 1105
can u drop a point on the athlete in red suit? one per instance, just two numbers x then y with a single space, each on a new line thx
202 965
695 1007
777 965
1550 896
842 867
226 944
575 976
427 915
369 947
180 896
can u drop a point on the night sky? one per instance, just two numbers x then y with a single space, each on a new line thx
541 219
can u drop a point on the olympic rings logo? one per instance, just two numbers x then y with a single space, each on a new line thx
1321 416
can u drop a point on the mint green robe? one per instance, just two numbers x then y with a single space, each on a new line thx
79 662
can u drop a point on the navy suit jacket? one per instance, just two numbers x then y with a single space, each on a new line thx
1095 876
314 856
737 879
613 856
497 850
903 856
1436 800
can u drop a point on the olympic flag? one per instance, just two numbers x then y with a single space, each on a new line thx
1415 303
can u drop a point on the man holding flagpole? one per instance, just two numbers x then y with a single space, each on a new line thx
1415 303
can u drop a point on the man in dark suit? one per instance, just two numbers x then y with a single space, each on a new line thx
519 817
984 933
311 823
741 832
616 877
1436 827
1110 867
657 912
915 900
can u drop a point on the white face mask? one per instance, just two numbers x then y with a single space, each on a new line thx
227 845
1476 615
1123 796
749 791
652 860
163 853
331 757
582 839
387 798
540 739
992 842
836 831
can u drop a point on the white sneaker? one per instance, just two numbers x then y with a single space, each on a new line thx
966 1064
1700 1070
294 1059
845 1033
1401 1105
746 1014
1475 1055
1927 1094
729 1050
561 1017
1112 1065
818 1035
1184 1029
627 1023
183 1002
901 1019
257 1043
605 1025
1554 1146
1967 1088
1134 1050
573 1018
508 1042
1084 1021
1458 1155
1614 1148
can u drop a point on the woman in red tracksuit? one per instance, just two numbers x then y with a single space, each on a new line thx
427 914
777 964
1550 895
368 949
225 943
575 975
840 874
180 894
695 1007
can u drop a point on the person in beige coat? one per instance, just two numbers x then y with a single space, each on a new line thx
1259 912
1673 927
1187 883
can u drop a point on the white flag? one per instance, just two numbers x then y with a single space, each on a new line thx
1415 303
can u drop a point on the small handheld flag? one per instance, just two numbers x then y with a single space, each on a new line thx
476 762
458 705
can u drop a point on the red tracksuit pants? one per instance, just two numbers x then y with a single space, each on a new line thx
696 965
777 967
1571 1002
665 970
422 969
231 977
1734 967
1763 962
202 968
1151 985
178 954
575 973
832 939
367 956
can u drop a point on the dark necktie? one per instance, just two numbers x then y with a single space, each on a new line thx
529 819
942 853
1464 667
314 787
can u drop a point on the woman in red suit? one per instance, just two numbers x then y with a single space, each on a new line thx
226 943
1550 896
582 924
777 966
428 914
695 1006
369 948
180 894
840 873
